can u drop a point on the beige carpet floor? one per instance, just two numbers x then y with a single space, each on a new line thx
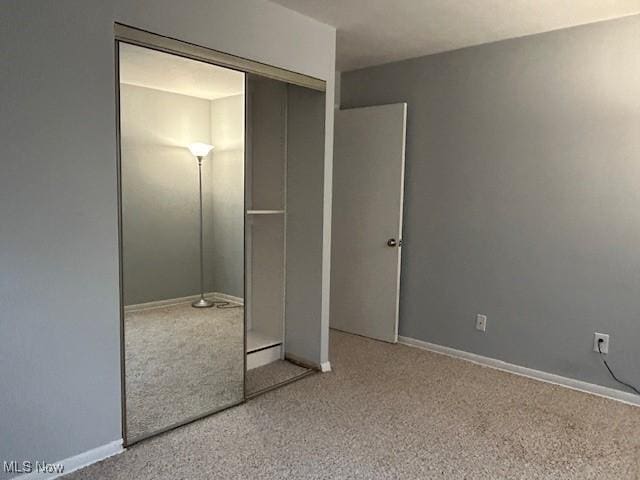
391 411
181 362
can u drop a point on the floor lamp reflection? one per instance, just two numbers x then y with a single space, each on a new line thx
201 150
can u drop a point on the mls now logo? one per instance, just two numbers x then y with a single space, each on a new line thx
32 467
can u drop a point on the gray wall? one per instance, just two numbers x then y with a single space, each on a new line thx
265 236
160 212
305 211
522 196
160 226
60 361
227 180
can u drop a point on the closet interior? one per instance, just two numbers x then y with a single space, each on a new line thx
266 198
268 133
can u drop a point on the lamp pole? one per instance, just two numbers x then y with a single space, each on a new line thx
201 302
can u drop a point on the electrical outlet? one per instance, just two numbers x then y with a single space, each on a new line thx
604 345
481 323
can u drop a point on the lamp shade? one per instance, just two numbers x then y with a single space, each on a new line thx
200 149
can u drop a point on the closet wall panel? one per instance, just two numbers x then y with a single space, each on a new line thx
305 186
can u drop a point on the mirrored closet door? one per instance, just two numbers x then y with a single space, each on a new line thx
182 238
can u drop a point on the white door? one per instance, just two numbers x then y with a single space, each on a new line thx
367 220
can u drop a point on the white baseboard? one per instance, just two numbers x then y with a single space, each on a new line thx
77 462
180 300
228 298
263 357
325 367
599 390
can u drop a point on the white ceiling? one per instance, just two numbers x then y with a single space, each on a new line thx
372 32
148 68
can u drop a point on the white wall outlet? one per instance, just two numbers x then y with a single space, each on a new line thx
481 323
604 345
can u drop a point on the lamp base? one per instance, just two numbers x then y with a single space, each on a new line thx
203 303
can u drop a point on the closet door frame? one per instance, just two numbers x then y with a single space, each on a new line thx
143 38
127 34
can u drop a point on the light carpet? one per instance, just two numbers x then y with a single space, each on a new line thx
391 411
181 362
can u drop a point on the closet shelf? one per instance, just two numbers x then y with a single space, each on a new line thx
265 212
257 341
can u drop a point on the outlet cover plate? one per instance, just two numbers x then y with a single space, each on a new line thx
481 323
604 346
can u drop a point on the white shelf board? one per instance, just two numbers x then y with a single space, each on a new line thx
265 212
257 340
